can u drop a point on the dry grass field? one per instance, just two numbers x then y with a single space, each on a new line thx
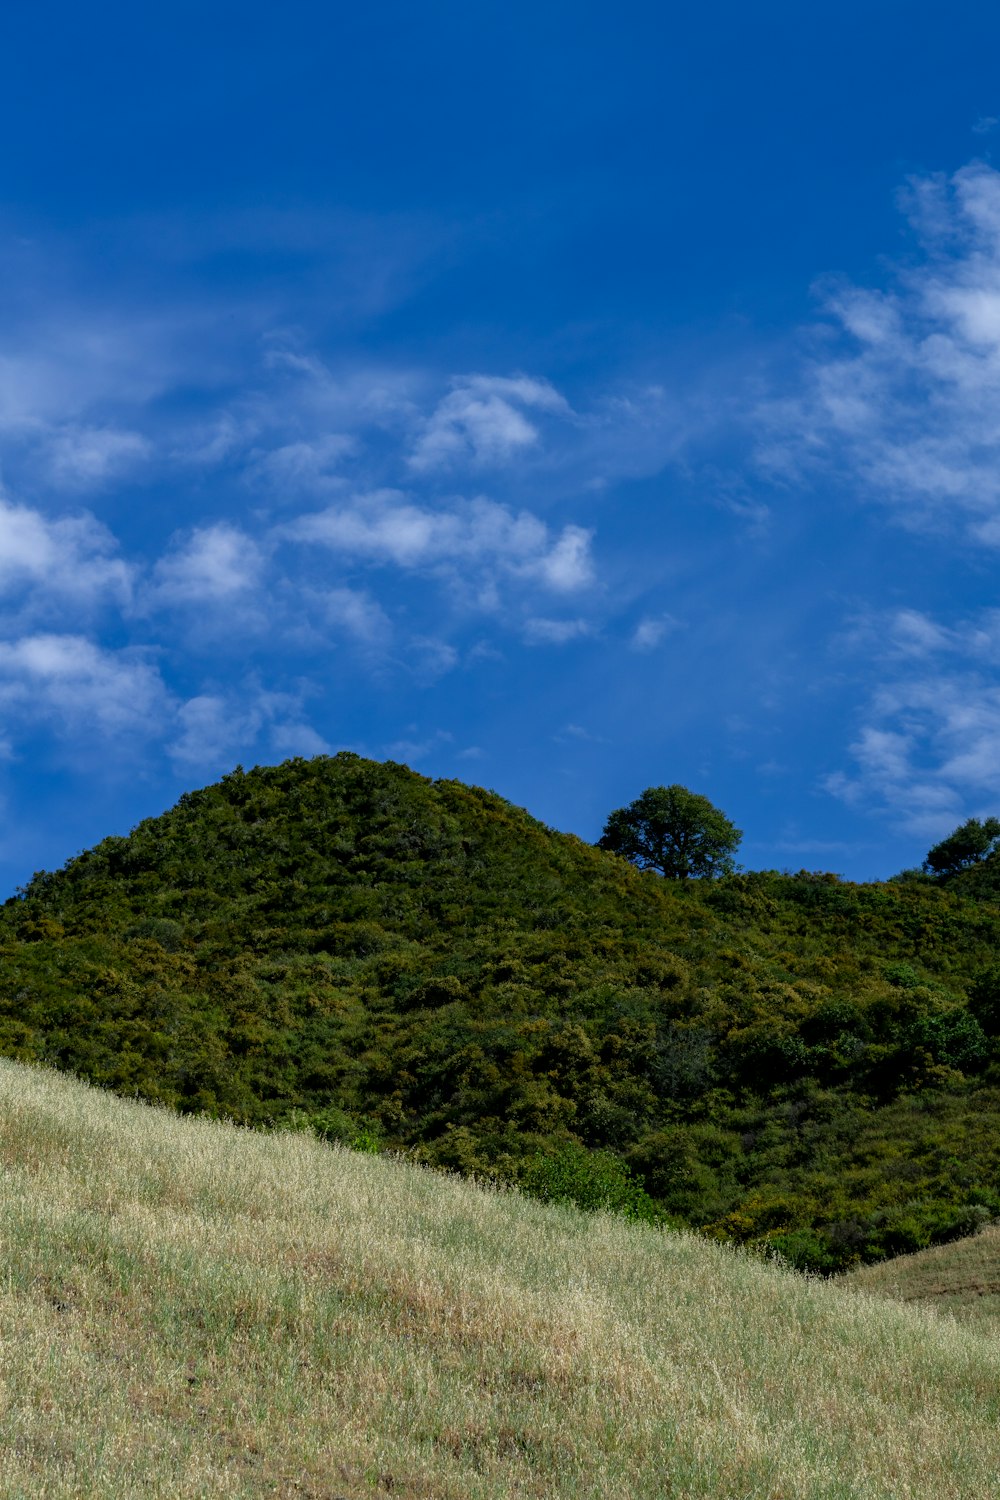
962 1279
193 1310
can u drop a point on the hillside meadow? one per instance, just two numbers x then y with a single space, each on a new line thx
786 1061
961 1280
192 1309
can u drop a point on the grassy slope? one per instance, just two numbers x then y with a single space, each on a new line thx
962 1279
194 1310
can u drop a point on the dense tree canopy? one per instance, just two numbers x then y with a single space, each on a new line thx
674 831
969 845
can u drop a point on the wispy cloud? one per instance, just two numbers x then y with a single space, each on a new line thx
927 746
539 631
415 749
483 420
577 733
388 528
430 658
214 565
906 399
281 507
86 458
652 631
913 635
54 564
356 612
70 683
304 467
212 729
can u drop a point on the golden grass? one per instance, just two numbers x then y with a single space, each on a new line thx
193 1310
962 1279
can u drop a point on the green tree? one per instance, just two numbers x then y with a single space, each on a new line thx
969 845
674 831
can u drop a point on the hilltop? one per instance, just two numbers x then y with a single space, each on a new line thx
191 1309
786 1060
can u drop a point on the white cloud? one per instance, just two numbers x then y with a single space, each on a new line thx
409 751
567 564
910 634
213 730
216 729
73 684
356 612
303 466
580 734
297 739
210 443
302 399
66 367
482 421
928 749
89 457
930 755
217 564
909 402
542 632
58 561
652 631
432 658
386 527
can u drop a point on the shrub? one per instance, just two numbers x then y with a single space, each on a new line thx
806 1250
984 1000
591 1180
333 1124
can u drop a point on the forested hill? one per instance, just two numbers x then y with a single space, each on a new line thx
340 943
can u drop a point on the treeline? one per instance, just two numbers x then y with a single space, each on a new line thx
787 1060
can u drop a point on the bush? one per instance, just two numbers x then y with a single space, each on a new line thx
591 1180
984 1000
805 1250
333 1124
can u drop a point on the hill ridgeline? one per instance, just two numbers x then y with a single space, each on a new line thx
345 946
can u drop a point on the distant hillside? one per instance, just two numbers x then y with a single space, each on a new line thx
961 1279
788 1060
190 1310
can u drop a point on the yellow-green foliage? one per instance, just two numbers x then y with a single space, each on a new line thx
190 1309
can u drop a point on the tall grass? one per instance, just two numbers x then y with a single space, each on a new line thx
191 1310
961 1280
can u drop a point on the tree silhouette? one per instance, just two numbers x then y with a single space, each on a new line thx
674 831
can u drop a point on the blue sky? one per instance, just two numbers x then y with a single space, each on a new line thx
563 398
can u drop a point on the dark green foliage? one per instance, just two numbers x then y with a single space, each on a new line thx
335 1124
788 1061
590 1180
675 832
984 1000
969 845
